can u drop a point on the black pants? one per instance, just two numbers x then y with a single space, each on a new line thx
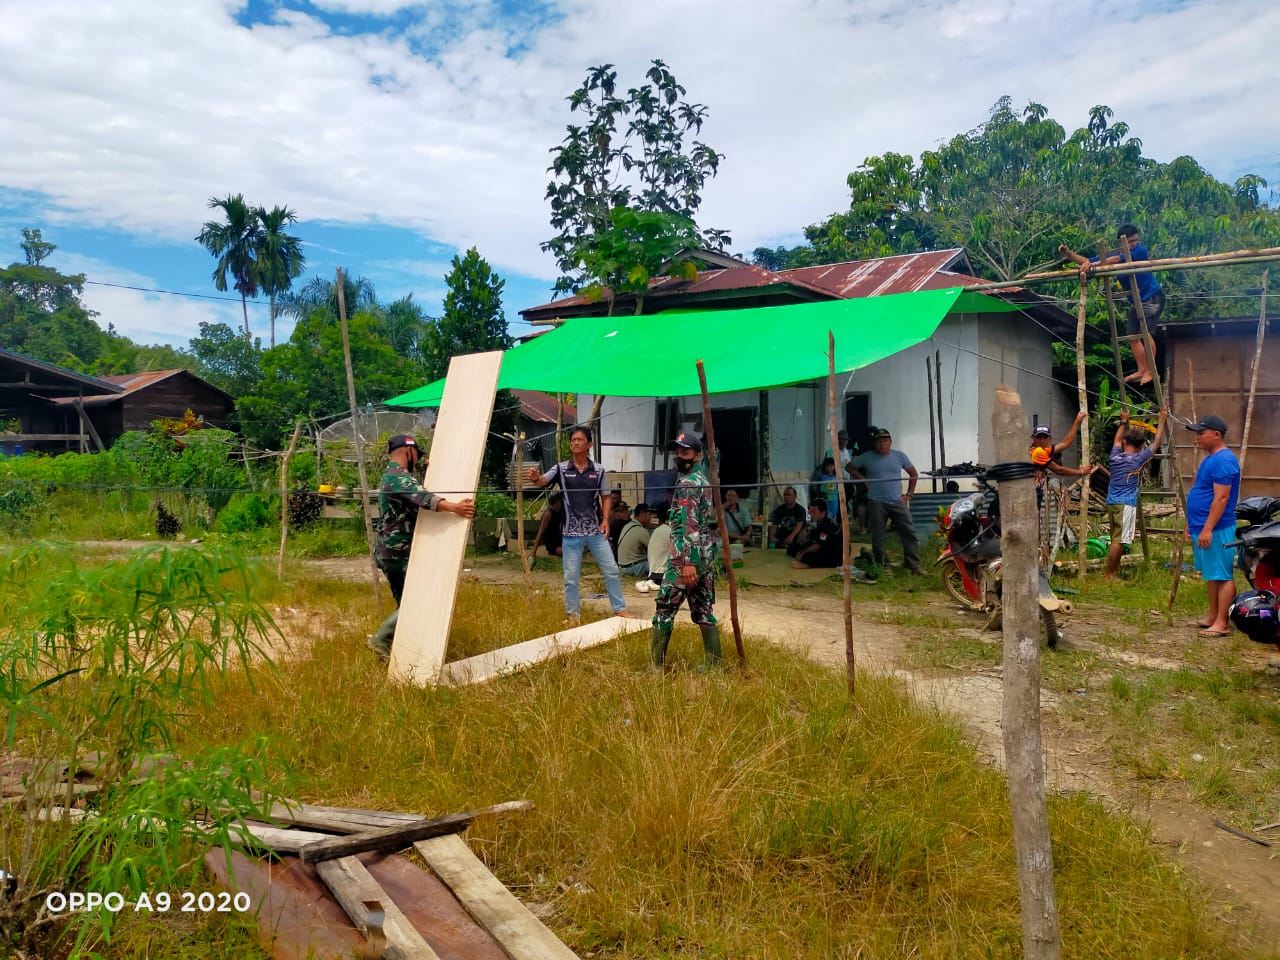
395 579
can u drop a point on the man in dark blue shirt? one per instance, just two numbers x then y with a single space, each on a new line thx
1150 296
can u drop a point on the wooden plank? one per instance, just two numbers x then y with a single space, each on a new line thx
496 663
519 932
389 839
338 819
353 886
254 836
440 539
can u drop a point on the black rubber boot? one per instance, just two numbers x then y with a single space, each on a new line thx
711 644
658 645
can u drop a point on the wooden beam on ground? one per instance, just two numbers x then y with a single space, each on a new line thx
494 907
440 539
496 663
390 839
278 840
338 819
353 886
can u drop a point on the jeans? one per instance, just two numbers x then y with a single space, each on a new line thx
598 544
881 512
638 569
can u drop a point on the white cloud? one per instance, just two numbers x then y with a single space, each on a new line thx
134 114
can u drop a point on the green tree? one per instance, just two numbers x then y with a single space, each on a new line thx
637 246
227 358
319 293
473 321
278 257
235 241
629 152
40 310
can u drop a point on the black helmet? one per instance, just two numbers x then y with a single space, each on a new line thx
1254 615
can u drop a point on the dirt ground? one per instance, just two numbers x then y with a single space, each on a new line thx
1241 877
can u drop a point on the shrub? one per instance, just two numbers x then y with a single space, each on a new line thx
247 512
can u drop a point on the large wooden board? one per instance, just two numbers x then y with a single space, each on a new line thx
440 539
522 935
495 663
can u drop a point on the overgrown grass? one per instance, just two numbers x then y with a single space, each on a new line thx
730 815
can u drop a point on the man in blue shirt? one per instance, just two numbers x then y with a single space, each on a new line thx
1129 454
881 468
1211 521
1150 296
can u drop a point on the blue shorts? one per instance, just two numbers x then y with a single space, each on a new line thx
1218 561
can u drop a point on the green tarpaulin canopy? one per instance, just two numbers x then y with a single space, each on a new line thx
753 349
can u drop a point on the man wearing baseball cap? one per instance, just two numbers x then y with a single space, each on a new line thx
691 558
1047 455
1211 521
399 500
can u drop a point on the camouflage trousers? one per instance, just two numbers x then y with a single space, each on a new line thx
673 592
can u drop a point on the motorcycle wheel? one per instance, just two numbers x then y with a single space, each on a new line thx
1051 632
953 583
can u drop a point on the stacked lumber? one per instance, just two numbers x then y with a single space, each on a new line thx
336 890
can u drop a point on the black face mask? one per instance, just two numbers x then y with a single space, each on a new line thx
684 466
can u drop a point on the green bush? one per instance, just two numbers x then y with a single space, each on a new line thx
247 512
494 505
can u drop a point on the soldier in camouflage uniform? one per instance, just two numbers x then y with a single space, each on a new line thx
691 565
400 499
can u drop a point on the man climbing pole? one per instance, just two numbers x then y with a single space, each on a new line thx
1150 296
691 560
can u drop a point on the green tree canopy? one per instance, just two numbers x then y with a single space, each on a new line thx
227 358
278 257
40 310
234 240
1016 186
628 153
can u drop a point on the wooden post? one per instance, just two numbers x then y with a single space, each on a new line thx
592 421
365 506
844 514
1082 545
1253 380
284 495
1020 718
710 453
942 437
933 433
517 460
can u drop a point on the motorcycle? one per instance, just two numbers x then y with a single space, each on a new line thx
971 564
1254 612
1258 546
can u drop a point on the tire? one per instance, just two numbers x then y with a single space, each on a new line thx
1051 633
953 583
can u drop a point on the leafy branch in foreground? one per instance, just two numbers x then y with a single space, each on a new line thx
99 670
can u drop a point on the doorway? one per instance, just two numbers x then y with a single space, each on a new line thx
857 420
738 438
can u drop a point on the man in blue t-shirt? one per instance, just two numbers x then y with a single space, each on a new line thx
1129 454
881 468
1150 296
1211 521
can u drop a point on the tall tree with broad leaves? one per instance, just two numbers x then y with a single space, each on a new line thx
473 322
320 293
40 310
636 152
278 257
235 241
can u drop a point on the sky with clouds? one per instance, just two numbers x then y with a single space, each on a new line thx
403 133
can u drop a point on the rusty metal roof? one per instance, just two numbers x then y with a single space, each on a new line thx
541 407
130 383
907 273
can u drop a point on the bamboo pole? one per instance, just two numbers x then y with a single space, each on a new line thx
942 437
933 434
284 496
1253 380
517 461
365 506
1168 263
1020 714
1082 542
710 453
833 429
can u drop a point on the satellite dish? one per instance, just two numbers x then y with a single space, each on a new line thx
370 430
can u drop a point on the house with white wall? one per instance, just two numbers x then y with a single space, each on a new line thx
935 397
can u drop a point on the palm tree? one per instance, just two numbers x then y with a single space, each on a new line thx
321 294
278 256
233 242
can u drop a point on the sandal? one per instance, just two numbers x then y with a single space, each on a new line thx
1215 633
1199 624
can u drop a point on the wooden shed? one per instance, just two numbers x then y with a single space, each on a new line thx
1209 368
44 402
146 397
